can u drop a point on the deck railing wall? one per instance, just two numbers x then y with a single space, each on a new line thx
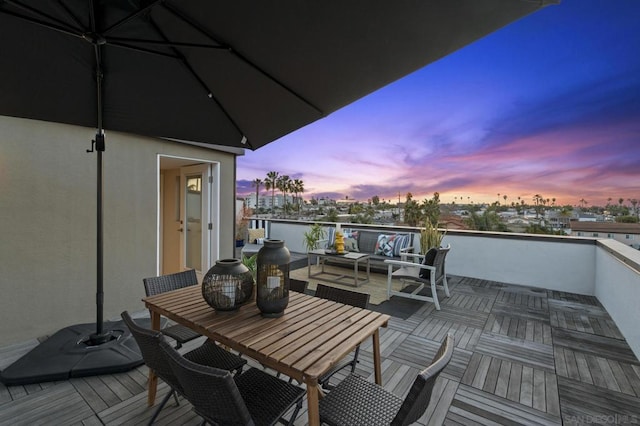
606 269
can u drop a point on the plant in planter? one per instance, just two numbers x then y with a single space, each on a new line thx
313 236
430 236
251 263
242 228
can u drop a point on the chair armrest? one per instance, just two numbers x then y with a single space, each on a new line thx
410 264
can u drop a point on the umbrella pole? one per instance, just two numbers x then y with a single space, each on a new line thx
100 337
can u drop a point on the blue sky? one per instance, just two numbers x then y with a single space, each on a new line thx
548 105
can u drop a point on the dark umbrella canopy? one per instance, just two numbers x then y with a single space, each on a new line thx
233 73
220 72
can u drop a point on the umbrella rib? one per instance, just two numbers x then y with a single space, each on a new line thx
49 25
234 52
195 75
167 43
70 13
132 16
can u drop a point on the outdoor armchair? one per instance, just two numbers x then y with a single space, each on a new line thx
348 297
429 273
356 401
251 398
169 282
209 353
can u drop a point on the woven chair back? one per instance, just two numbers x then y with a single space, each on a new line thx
149 343
169 282
212 391
348 297
419 396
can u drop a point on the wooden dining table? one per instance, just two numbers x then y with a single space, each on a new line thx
312 336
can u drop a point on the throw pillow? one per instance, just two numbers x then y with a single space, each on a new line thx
384 246
351 244
401 242
428 260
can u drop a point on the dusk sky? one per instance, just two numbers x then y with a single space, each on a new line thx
548 105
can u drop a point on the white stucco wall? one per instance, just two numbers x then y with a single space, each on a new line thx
48 216
618 289
554 263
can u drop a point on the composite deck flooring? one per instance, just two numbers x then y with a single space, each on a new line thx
523 356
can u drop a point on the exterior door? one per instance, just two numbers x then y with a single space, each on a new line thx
195 217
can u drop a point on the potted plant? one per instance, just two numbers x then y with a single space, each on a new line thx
430 237
251 264
313 236
242 228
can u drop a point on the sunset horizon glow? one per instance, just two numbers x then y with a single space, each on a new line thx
547 105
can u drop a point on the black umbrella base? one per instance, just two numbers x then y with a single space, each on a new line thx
76 351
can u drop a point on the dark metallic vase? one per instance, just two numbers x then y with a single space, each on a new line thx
227 285
272 296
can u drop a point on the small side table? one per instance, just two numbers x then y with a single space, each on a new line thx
350 258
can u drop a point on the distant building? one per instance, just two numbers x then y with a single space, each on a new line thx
626 233
264 200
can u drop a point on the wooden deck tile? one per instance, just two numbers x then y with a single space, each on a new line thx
573 297
432 328
581 401
60 404
467 317
418 352
473 405
521 311
607 347
526 297
527 353
520 328
469 302
584 318
598 371
528 386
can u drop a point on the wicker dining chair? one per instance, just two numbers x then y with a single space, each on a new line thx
357 401
251 398
348 297
298 285
169 282
208 354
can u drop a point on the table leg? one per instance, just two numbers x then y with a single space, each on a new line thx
376 357
368 269
153 379
313 401
355 272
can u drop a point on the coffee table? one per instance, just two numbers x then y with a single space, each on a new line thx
350 258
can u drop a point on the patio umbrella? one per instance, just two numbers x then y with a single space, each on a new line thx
234 73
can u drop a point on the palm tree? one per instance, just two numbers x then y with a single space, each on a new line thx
270 184
283 183
298 188
634 203
537 200
257 183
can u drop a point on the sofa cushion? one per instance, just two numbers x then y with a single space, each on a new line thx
428 260
351 244
400 243
385 244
